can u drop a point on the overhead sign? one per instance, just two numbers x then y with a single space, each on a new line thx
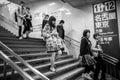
105 22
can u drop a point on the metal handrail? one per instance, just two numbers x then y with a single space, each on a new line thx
16 67
71 41
108 58
35 71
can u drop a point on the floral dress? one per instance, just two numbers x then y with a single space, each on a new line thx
53 41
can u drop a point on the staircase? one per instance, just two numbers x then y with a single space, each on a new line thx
33 51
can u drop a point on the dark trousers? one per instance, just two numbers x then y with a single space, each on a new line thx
89 68
20 31
25 30
99 66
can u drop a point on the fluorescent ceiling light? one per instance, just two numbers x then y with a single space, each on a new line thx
62 9
68 13
52 4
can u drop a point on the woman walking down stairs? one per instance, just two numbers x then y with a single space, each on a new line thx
33 52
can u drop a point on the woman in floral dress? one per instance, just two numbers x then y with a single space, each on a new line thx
53 42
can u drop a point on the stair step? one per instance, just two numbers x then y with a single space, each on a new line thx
26 49
38 55
15 38
24 52
61 69
26 46
59 62
68 75
23 42
66 66
47 58
3 29
33 54
4 33
7 34
29 56
30 49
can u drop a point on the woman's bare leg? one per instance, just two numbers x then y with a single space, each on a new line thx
52 61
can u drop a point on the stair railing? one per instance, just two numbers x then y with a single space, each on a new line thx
72 41
77 44
35 71
14 66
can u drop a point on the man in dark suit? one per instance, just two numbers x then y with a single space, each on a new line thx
60 29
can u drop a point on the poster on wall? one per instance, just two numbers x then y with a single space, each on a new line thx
105 22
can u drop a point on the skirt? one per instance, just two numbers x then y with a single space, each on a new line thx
52 45
88 60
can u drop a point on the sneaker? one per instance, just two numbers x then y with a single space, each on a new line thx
52 69
24 35
20 37
87 76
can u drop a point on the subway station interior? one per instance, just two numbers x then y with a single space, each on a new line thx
59 39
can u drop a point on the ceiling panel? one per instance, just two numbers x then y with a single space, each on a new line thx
78 3
74 3
26 1
18 1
